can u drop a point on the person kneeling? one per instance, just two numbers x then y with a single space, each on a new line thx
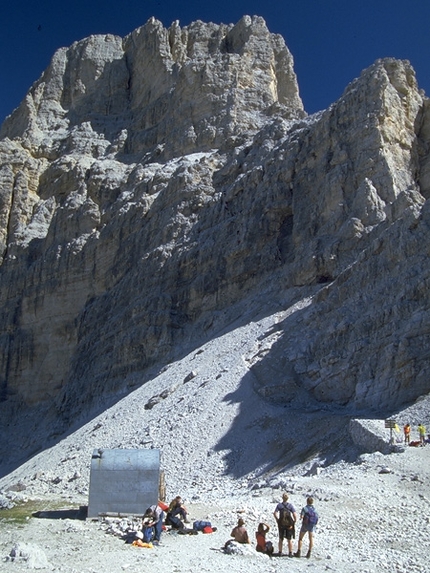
152 523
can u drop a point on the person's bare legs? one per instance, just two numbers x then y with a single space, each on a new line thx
299 544
311 543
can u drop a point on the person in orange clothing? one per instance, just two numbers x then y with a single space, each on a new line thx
263 546
407 432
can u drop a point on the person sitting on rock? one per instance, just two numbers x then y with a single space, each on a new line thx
175 512
263 546
239 532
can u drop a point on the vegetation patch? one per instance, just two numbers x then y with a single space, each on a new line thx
23 511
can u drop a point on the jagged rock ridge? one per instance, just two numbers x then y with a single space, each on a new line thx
152 186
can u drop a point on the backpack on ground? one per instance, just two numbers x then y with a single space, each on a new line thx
147 534
187 531
310 517
200 525
286 518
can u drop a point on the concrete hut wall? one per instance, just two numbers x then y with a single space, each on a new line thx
123 482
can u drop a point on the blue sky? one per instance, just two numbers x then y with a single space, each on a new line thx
332 41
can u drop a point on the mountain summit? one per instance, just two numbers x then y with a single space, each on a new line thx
158 188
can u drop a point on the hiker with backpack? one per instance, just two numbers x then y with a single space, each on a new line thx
286 517
309 518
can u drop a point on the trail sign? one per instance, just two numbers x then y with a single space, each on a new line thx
392 424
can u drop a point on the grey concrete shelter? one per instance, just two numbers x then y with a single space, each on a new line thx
123 482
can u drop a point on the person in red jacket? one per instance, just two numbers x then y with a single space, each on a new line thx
263 546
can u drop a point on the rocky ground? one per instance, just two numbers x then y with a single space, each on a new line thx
229 453
374 517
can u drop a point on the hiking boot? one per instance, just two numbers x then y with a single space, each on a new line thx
308 554
290 554
297 553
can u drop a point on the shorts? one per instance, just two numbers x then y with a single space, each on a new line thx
287 533
307 528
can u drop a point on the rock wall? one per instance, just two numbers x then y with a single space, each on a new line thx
149 184
370 436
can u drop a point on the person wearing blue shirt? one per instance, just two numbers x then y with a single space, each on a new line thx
286 517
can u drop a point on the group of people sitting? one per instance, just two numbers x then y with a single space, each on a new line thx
286 518
175 515
285 515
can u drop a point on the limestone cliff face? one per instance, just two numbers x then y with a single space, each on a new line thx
166 92
149 184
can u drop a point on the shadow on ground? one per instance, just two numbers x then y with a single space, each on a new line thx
80 513
266 438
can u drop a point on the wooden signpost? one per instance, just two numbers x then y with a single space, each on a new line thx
391 424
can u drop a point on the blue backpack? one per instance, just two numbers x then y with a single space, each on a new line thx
200 525
311 516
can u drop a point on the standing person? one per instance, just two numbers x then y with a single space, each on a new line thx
263 546
309 518
153 518
407 432
422 433
286 517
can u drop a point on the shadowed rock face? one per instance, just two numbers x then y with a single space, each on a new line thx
149 184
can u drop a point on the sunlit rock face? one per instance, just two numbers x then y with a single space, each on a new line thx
152 185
